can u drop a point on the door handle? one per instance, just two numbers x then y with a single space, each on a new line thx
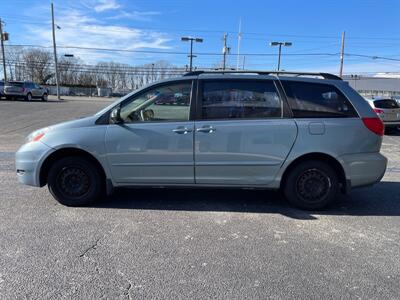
181 130
206 129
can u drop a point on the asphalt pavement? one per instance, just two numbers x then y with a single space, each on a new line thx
191 243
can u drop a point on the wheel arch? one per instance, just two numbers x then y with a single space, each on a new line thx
64 152
333 162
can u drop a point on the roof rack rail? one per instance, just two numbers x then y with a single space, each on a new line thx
323 75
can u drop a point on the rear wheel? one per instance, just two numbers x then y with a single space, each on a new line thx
311 185
74 181
28 97
44 97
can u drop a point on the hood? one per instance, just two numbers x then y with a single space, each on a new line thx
84 122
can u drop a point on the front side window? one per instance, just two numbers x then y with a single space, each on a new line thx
315 100
163 103
240 99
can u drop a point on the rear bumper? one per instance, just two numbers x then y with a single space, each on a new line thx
15 94
364 169
28 161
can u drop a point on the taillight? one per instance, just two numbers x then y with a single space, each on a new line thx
378 111
375 125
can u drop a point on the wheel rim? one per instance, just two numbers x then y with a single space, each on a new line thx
73 182
313 185
45 97
29 97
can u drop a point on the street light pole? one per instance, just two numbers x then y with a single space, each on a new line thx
342 55
55 51
191 56
279 56
280 44
191 40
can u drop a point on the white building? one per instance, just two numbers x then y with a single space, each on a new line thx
381 84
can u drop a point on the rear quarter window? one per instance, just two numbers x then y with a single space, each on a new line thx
315 100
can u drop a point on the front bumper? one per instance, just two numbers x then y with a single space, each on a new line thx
28 161
363 169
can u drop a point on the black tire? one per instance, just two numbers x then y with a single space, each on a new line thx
75 181
28 97
311 185
44 97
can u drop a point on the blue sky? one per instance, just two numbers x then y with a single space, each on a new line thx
313 26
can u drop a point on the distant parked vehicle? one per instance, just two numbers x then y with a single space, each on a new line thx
388 110
1 89
24 89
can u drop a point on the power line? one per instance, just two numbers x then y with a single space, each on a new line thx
170 52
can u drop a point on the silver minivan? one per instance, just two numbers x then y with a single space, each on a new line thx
309 137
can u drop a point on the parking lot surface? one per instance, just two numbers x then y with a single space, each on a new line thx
157 243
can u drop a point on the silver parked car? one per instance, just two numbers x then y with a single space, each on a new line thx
388 110
307 136
24 89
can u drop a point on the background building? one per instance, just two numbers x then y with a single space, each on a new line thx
381 84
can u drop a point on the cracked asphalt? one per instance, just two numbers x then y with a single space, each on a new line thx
165 243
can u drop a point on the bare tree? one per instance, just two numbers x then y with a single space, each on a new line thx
37 65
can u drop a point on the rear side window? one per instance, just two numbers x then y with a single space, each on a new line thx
240 99
314 100
386 103
15 83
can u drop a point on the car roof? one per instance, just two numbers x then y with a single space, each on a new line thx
218 76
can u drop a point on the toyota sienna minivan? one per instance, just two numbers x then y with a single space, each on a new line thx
309 137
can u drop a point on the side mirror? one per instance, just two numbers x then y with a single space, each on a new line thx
115 116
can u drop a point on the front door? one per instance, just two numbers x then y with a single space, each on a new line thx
243 136
154 144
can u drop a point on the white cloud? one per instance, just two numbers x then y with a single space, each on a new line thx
80 30
103 5
134 15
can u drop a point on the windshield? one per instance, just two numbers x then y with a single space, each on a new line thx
386 103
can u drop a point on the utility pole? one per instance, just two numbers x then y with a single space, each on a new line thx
2 38
225 51
55 51
238 45
342 54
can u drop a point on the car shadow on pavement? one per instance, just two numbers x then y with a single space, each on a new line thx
382 199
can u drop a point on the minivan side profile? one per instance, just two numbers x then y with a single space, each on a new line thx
309 137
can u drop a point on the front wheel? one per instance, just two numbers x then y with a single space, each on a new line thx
74 181
311 185
28 97
44 97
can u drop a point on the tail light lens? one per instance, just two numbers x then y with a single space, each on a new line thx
378 111
375 125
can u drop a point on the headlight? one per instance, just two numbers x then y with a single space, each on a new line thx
37 135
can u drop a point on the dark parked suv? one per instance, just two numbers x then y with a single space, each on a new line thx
1 89
24 89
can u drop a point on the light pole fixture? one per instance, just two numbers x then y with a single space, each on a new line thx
191 40
280 44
